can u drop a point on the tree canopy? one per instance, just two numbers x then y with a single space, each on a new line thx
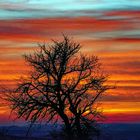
63 86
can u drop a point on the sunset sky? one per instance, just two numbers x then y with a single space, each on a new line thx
109 29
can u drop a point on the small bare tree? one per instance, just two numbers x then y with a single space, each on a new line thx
64 85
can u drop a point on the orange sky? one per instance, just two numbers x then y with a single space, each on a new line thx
115 41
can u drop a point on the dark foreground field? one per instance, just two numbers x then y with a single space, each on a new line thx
108 132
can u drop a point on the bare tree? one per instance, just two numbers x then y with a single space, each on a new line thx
64 85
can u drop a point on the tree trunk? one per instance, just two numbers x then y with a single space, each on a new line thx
78 126
67 126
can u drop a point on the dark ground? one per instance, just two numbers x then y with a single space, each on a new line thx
108 132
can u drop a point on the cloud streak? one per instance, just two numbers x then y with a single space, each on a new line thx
54 8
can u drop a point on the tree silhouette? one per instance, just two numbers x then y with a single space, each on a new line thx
63 86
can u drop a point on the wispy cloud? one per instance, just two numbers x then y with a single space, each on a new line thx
55 8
